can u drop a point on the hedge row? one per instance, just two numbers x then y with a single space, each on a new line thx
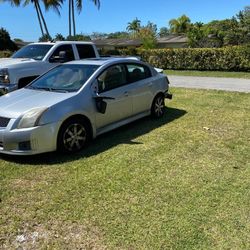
235 58
5 53
225 59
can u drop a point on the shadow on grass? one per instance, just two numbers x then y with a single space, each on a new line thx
123 135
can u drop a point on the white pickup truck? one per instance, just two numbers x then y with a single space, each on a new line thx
35 59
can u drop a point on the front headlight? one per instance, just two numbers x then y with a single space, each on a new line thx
31 118
4 76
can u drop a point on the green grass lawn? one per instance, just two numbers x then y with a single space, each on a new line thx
245 75
181 182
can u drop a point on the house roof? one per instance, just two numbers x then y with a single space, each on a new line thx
173 39
124 42
20 44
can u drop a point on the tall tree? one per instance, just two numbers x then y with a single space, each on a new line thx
134 27
164 31
5 42
40 17
72 13
55 4
180 25
148 35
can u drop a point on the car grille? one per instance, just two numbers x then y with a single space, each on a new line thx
4 122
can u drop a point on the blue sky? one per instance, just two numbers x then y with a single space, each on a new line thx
114 15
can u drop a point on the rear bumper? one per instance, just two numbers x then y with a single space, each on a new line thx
168 95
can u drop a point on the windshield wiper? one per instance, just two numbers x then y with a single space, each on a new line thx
48 89
59 90
40 88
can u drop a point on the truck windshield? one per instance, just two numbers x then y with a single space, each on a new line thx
33 51
64 78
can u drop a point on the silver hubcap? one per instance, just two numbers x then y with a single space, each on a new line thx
74 137
159 106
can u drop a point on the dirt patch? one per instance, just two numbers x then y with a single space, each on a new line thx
55 235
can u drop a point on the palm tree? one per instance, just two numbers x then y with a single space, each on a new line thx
41 20
72 13
134 27
54 4
180 25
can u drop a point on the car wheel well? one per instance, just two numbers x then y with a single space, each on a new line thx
25 81
73 140
159 94
84 118
158 105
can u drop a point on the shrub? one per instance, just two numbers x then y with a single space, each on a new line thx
235 58
5 41
109 52
5 53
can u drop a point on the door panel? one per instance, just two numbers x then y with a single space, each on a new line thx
112 82
141 96
117 109
140 87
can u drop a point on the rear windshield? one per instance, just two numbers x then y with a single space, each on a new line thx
33 51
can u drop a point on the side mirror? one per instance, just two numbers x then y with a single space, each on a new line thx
61 58
101 105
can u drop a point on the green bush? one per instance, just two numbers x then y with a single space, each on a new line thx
235 58
5 53
109 52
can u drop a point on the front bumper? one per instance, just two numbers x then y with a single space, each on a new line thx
28 141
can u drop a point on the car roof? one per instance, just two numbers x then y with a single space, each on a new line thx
105 60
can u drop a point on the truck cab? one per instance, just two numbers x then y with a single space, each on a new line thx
35 59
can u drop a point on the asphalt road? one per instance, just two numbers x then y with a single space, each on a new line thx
218 83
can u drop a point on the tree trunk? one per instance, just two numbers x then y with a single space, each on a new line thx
44 23
69 17
39 19
73 18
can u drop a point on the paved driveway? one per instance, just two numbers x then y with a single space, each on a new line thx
219 83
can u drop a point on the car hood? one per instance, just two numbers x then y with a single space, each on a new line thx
14 104
7 62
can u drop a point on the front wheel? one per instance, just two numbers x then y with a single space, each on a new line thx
73 136
158 106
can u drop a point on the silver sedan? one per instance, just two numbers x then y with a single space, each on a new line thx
77 101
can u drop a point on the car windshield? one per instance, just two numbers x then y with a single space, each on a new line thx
33 51
64 78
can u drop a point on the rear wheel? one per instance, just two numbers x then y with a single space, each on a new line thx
73 135
158 106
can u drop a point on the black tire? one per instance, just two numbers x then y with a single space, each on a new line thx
73 136
158 106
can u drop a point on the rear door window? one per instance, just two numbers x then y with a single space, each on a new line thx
137 72
85 51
